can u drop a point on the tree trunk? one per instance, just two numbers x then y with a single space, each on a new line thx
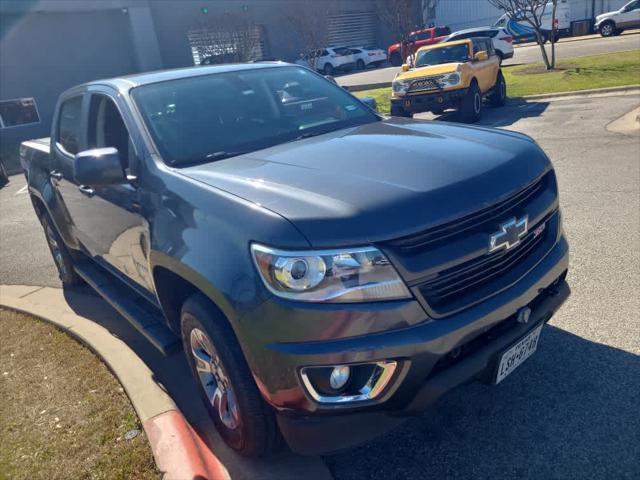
545 58
554 32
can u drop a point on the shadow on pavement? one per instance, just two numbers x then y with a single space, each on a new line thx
172 374
570 411
516 109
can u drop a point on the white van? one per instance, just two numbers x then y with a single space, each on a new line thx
522 31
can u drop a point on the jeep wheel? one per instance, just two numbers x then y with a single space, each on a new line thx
398 111
499 92
328 69
472 104
226 386
608 29
396 59
60 253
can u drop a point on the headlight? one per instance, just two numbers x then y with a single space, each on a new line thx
450 80
400 87
351 275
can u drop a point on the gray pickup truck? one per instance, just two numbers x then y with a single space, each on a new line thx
327 271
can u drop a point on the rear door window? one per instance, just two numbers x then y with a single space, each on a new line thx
69 125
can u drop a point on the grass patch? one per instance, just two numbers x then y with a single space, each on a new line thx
583 73
62 413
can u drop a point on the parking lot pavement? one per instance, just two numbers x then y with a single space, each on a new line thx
525 54
571 411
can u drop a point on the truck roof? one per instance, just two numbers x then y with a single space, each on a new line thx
130 81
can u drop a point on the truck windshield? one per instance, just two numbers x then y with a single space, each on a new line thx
212 117
436 56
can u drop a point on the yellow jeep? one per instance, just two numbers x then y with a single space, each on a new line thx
450 75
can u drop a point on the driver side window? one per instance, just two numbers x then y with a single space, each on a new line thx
107 129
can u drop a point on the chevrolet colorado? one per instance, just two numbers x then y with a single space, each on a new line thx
327 271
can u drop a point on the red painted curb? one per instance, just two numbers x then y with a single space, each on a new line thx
179 451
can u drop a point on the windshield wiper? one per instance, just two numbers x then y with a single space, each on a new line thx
308 135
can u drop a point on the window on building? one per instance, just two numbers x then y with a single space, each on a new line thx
19 111
69 125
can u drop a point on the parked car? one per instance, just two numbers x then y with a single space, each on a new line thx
328 59
368 56
455 74
502 40
327 271
398 52
522 31
614 23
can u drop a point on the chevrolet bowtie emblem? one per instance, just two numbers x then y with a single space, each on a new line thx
510 234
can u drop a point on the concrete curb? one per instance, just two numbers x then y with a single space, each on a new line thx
178 450
581 38
581 93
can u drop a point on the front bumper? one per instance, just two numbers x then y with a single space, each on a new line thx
426 102
401 331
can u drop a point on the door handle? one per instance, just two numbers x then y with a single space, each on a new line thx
55 174
88 191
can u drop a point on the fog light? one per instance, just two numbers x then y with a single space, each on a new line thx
339 377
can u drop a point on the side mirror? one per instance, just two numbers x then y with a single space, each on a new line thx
370 102
481 56
97 167
405 67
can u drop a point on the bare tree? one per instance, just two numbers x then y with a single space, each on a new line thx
227 38
554 33
399 16
308 22
532 12
429 11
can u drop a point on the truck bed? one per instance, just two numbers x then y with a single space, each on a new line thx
35 153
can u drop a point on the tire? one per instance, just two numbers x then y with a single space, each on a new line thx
398 111
327 69
360 65
472 104
437 111
498 95
618 31
607 29
245 422
62 257
396 59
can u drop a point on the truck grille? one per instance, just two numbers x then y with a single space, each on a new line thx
449 267
466 283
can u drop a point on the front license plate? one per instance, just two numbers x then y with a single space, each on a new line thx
513 358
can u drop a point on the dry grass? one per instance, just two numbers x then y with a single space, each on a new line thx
62 413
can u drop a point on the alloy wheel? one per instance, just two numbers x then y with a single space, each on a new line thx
213 379
55 250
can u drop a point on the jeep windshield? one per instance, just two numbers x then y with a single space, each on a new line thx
211 117
444 54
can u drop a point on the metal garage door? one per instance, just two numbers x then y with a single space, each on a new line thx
352 29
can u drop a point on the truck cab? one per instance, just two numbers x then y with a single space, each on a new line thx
398 52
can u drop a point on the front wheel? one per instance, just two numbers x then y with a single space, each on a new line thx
398 111
396 59
499 92
472 104
328 69
225 383
360 65
607 29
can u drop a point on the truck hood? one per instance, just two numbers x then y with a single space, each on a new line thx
429 71
379 181
605 16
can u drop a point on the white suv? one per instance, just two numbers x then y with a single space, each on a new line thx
613 23
501 39
328 59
